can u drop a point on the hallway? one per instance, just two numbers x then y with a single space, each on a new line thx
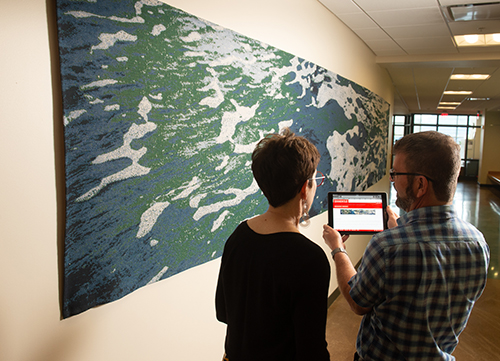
481 207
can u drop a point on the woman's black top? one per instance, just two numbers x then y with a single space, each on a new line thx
272 293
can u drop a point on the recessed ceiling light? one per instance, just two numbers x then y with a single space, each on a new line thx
457 92
471 39
449 103
492 39
469 76
440 107
478 40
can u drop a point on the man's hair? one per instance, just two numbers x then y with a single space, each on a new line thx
281 164
435 155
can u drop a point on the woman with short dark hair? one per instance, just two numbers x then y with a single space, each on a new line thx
273 282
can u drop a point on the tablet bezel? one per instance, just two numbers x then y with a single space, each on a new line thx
330 210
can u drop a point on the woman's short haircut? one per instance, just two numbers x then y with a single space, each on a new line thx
435 155
281 164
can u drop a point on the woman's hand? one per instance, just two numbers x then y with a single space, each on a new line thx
332 238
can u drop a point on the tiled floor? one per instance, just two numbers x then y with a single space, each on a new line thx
481 207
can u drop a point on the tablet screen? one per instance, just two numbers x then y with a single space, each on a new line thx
357 212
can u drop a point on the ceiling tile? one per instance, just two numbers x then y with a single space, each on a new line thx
403 77
426 43
415 31
340 6
381 44
390 52
474 27
461 85
477 70
479 49
357 21
431 80
369 5
407 17
372 34
427 51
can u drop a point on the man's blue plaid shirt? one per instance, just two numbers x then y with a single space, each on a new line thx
422 279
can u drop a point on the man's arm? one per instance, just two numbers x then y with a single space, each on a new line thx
343 266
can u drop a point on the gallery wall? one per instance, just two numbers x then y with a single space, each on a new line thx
174 318
489 160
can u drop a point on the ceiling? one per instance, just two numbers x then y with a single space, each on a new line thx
414 41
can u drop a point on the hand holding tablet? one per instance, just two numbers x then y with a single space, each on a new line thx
357 212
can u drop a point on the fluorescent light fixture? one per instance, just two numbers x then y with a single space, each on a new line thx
492 39
471 39
473 99
478 40
449 103
457 92
440 107
470 76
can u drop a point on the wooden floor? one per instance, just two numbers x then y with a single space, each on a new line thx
480 341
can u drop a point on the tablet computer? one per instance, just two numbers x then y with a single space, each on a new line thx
357 212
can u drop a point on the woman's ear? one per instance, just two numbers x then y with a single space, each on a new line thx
303 191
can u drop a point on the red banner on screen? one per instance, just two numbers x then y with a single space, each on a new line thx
346 204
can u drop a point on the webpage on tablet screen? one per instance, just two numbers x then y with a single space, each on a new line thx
358 213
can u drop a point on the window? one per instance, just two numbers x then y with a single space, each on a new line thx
427 119
453 120
399 127
464 129
423 128
457 133
399 120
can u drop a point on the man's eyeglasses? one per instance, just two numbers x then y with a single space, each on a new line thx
319 180
392 174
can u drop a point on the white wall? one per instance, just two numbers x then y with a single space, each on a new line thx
489 160
172 319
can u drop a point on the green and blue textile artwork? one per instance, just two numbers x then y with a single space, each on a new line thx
162 111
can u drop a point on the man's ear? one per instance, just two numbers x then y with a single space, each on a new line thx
422 186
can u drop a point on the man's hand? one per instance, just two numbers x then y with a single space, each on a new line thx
393 217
